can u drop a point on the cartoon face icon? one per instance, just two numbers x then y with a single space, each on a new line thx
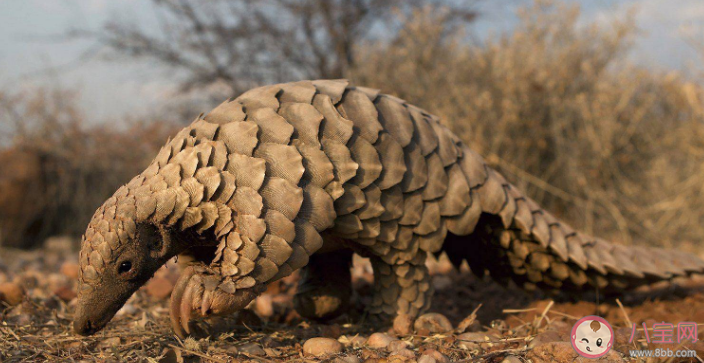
592 337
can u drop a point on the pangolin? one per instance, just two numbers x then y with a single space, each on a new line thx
298 176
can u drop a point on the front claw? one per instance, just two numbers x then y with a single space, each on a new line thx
181 302
200 290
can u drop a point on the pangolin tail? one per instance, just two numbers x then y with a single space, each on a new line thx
516 239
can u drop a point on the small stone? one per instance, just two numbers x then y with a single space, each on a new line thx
398 345
404 352
65 293
70 270
159 287
426 359
432 323
251 349
60 244
403 324
379 340
127 310
11 293
442 282
318 347
511 359
346 359
439 357
263 306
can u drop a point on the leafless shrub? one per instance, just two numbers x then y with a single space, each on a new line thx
615 149
57 170
239 44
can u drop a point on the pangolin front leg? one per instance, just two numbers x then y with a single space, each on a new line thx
221 285
202 291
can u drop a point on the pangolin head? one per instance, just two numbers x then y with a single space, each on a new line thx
118 255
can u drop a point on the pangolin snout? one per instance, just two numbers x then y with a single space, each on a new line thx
83 326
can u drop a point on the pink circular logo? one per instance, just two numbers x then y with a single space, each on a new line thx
592 337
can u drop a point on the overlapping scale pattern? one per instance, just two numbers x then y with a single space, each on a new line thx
268 172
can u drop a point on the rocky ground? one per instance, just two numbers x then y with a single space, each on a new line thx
472 320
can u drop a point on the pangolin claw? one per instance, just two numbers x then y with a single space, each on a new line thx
177 299
197 292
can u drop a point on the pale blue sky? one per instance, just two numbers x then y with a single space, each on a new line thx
32 54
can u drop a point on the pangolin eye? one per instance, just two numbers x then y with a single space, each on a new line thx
124 267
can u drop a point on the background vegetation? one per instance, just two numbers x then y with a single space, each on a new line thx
615 149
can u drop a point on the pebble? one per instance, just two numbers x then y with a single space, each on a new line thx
426 359
406 353
318 347
159 287
379 340
442 282
264 306
511 359
398 345
70 270
65 293
346 359
252 349
127 310
403 324
432 323
439 357
11 293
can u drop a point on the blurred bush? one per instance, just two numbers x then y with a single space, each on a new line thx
59 166
616 149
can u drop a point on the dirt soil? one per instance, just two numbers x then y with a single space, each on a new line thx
489 323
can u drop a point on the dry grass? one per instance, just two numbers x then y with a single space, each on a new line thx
505 321
615 149
59 166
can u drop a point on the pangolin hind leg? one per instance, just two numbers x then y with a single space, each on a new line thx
325 288
400 288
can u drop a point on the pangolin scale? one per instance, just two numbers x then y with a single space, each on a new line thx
296 176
